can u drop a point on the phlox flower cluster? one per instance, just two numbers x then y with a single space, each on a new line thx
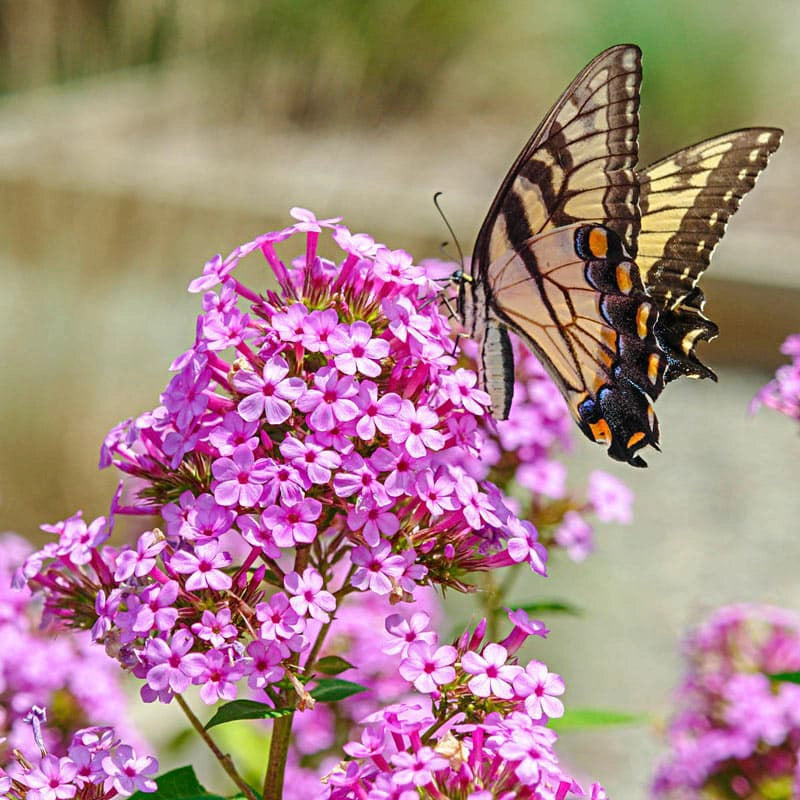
736 732
97 764
500 748
783 392
69 676
313 447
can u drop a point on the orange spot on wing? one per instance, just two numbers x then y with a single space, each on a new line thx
635 439
624 281
600 431
642 315
653 364
598 242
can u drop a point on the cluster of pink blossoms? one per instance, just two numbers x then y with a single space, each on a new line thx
97 764
737 731
315 445
783 392
67 675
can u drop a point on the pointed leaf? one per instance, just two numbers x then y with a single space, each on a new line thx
329 690
179 784
582 718
786 677
331 665
551 607
245 709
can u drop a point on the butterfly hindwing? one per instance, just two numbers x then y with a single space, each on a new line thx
686 200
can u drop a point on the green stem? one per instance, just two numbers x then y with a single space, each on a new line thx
224 759
278 750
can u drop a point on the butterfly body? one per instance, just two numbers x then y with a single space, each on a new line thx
595 266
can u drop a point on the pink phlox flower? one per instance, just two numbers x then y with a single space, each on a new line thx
478 509
359 477
310 458
330 401
751 708
264 665
127 773
307 221
176 515
543 476
215 628
308 596
461 390
223 301
375 412
413 572
397 266
256 532
540 688
415 428
319 325
372 743
493 677
240 479
291 324
139 562
219 678
360 245
222 330
208 520
575 535
185 396
418 768
611 499
268 395
233 431
354 349
178 443
531 751
524 545
436 490
404 321
427 668
278 618
402 468
155 610
51 779
282 481
76 539
204 567
373 521
106 610
171 665
215 270
293 524
405 632
376 566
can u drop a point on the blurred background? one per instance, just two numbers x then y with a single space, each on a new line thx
140 137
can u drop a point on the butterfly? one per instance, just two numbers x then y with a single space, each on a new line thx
594 265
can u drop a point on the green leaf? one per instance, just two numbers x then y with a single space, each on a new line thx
551 607
786 677
331 665
583 718
245 709
329 690
179 784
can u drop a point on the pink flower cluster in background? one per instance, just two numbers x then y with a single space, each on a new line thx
783 392
736 732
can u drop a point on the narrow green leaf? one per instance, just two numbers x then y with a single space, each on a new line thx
331 665
179 784
786 677
329 690
551 607
582 718
245 709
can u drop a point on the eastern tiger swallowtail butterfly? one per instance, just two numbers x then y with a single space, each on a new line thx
595 265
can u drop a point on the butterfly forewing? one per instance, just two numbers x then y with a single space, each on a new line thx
686 200
579 164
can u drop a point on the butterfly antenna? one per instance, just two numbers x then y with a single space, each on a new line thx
449 228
